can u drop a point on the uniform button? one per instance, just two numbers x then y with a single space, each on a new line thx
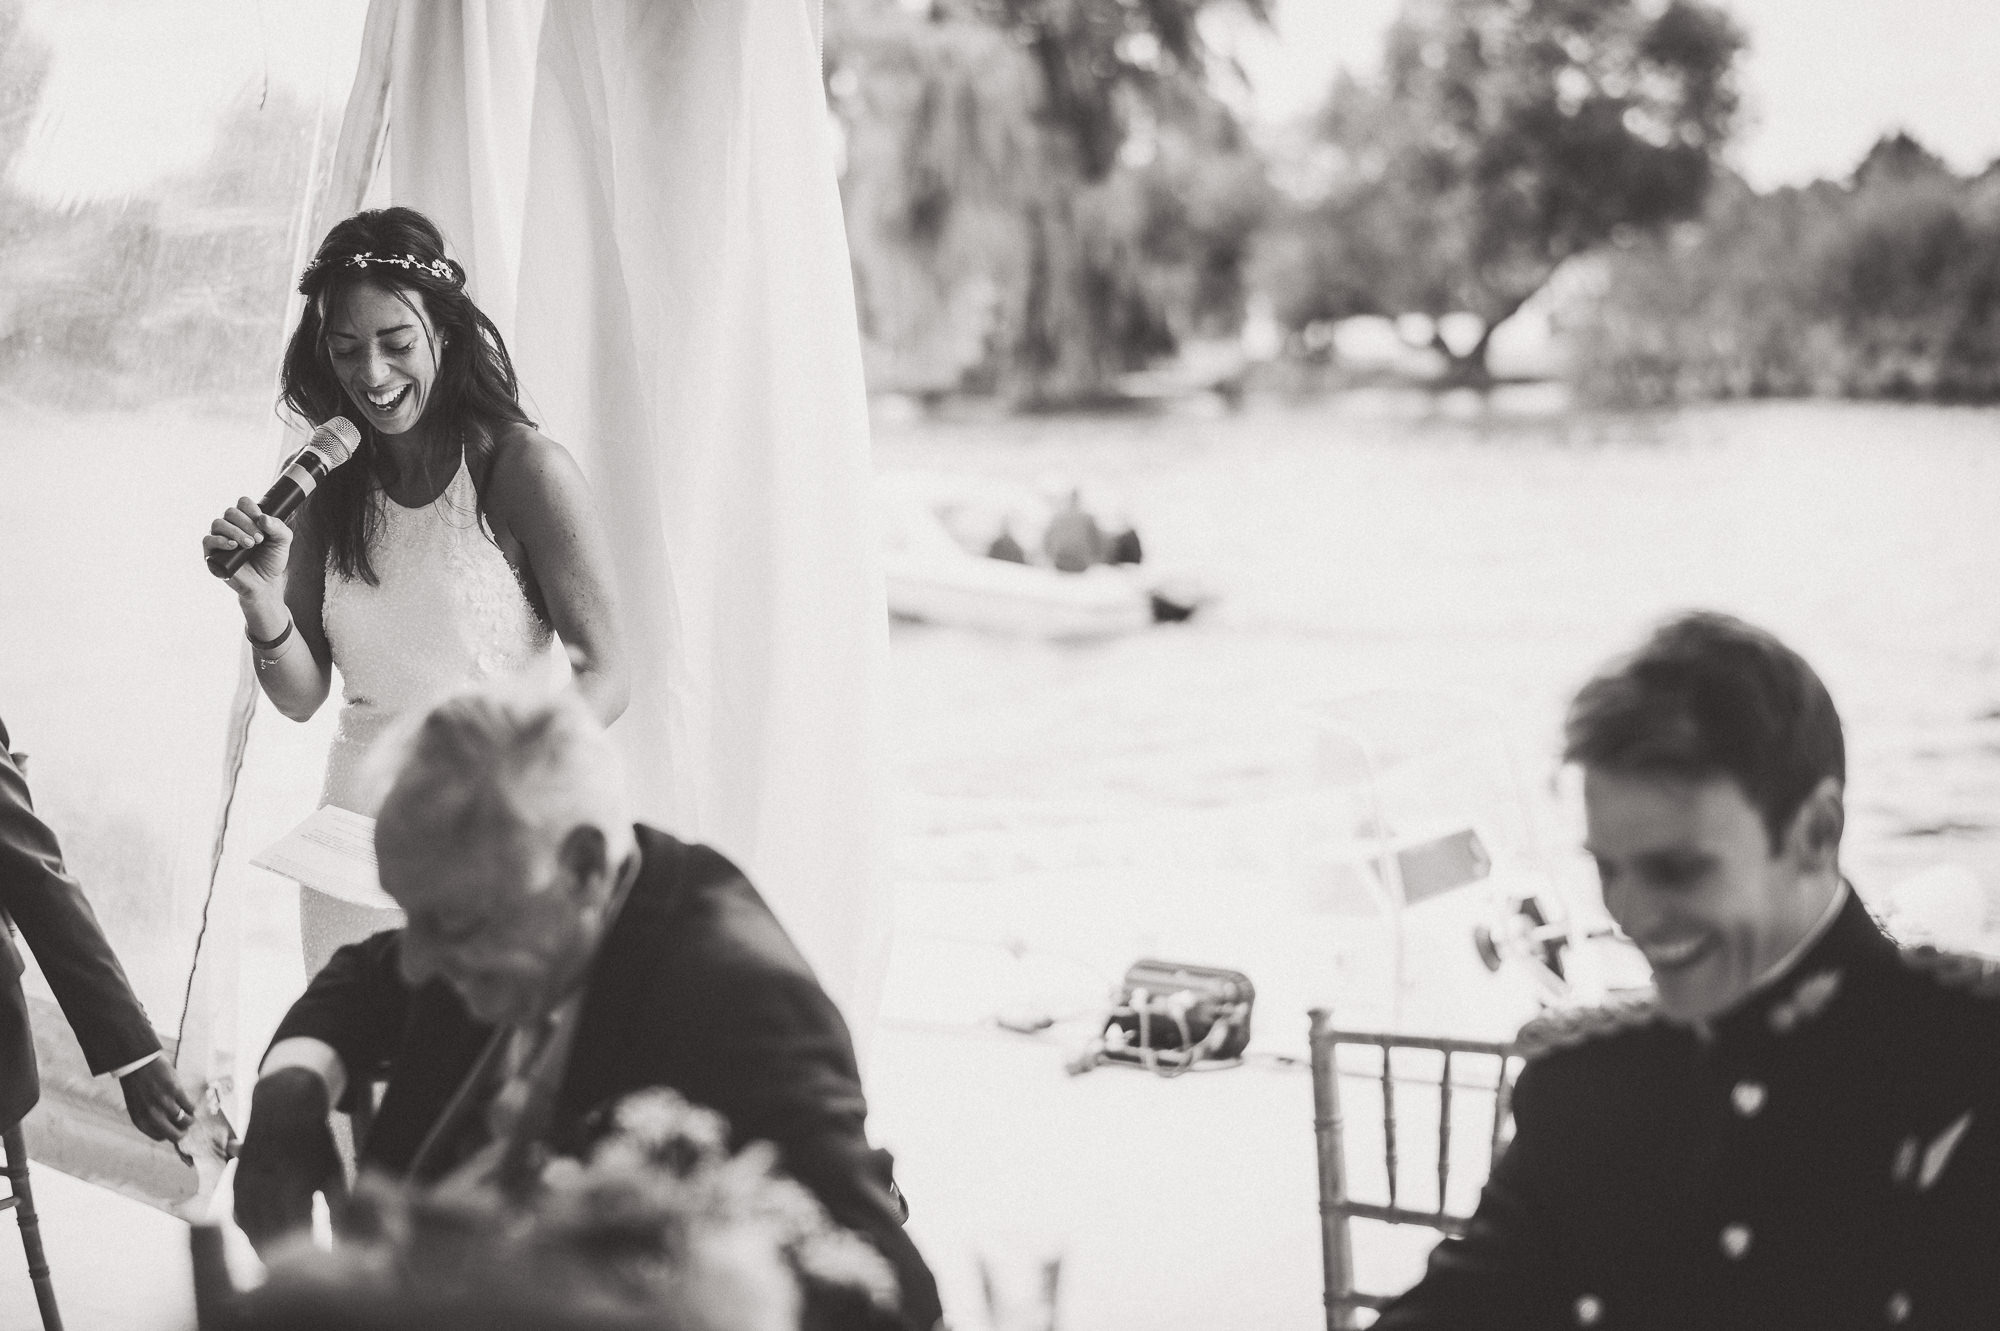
1589 1310
1898 1309
1735 1241
1748 1097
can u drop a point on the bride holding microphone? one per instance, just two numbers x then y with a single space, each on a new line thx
455 546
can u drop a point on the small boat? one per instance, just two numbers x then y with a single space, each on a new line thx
933 578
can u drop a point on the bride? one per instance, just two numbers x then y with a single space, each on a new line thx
456 544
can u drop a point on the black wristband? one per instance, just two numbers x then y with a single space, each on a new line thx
275 643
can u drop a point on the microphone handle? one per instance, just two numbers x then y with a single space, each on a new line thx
294 483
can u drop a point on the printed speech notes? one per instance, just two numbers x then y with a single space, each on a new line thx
333 851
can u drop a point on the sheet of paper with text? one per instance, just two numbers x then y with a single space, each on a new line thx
332 851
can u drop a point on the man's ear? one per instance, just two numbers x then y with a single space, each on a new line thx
1816 828
585 857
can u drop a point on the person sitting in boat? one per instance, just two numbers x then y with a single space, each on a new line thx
555 958
1005 547
1124 548
1802 1127
1073 541
981 527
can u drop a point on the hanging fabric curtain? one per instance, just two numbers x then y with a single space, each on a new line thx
175 917
644 196
681 314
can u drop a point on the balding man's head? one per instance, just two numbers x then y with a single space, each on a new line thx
504 834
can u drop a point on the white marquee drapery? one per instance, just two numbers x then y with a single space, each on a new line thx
644 194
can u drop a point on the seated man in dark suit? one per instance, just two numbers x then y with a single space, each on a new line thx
38 896
1802 1129
555 959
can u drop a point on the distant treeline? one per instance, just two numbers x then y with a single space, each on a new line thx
1044 196
1887 285
179 293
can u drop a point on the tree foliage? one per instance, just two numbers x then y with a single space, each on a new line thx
1041 194
1502 138
1884 285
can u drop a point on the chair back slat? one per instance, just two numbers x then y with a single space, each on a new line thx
1444 1133
1337 1208
1389 1121
14 1148
1336 1249
1404 1215
1503 1107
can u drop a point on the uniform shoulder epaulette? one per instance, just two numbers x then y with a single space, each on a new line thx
1565 1028
1963 971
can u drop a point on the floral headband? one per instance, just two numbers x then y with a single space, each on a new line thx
442 269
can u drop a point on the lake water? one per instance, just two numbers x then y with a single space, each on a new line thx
1503 552
1069 808
1497 552
1064 809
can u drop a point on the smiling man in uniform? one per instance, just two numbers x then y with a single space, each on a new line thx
1802 1127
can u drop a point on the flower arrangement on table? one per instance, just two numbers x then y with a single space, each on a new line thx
662 1227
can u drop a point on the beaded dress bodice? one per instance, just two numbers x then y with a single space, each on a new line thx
446 610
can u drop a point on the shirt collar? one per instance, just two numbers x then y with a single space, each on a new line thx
1809 940
1805 980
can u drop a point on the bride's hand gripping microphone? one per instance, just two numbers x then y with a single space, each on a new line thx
331 444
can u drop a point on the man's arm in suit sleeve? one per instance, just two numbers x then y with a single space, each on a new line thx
356 1006
56 919
1502 1274
338 1035
775 1058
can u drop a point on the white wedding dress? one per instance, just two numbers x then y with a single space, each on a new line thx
447 610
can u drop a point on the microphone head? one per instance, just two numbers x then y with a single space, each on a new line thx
336 439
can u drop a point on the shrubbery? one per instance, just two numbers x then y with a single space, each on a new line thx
1885 286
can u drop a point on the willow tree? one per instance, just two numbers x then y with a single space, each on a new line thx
1502 138
1042 194
935 115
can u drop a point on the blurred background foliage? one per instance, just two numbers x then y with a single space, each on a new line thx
111 301
1886 284
1042 194
1062 203
1500 141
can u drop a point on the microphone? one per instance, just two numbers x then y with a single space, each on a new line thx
331 444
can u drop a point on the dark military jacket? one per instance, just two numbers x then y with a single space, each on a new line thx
1825 1156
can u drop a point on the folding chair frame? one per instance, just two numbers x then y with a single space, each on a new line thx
21 1200
1337 1210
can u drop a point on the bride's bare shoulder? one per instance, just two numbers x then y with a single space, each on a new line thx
516 444
528 471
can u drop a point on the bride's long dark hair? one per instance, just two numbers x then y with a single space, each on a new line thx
402 251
